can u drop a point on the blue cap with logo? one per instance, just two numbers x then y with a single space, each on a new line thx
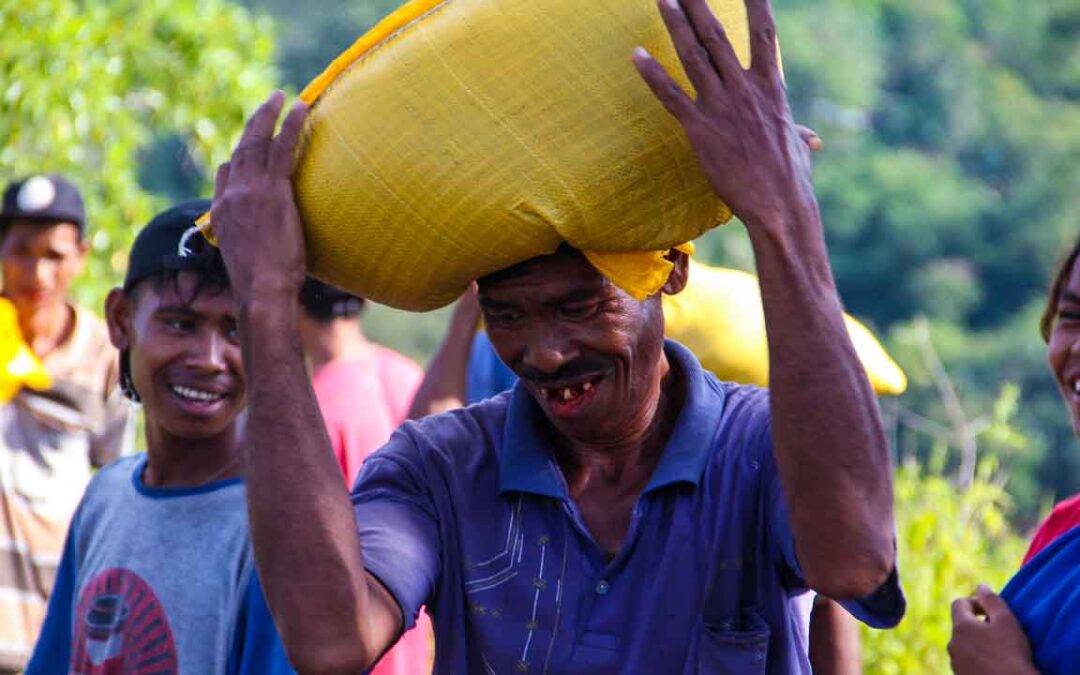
44 199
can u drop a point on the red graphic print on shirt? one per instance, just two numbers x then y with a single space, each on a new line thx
121 629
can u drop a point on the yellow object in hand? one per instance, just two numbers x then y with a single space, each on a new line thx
460 137
19 367
719 317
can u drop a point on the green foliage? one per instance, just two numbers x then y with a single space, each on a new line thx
949 541
86 87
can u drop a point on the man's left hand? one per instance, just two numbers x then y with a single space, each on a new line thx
740 126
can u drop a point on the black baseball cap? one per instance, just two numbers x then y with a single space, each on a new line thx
45 199
325 302
171 242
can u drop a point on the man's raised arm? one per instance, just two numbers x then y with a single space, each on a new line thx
830 446
333 617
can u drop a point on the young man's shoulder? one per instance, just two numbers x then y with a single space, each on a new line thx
114 479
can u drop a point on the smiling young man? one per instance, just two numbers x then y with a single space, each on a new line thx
50 440
620 511
157 573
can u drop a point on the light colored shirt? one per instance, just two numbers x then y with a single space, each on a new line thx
363 400
49 443
158 580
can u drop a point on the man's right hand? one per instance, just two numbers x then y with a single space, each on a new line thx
254 214
987 638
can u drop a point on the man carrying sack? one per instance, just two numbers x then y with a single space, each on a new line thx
620 511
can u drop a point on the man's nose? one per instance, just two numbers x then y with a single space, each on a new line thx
210 352
548 352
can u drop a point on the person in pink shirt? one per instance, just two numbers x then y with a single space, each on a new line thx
348 369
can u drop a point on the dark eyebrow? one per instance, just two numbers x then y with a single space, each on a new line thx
1069 296
177 309
495 305
578 295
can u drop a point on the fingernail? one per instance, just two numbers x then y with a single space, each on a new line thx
985 590
674 4
641 53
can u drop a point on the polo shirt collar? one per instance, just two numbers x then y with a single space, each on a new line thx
527 464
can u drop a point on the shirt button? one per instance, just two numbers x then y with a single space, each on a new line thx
602 587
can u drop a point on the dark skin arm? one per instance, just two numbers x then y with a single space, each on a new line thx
830 445
446 378
333 616
987 638
834 640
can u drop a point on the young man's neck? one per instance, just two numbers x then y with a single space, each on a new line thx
175 462
46 328
340 339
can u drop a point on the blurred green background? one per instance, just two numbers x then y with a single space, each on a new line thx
949 185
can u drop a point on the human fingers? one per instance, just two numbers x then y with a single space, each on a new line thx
963 612
666 90
810 138
221 181
992 604
283 148
762 37
254 144
695 60
713 38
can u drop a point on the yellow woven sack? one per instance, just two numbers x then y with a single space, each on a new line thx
718 316
462 136
19 366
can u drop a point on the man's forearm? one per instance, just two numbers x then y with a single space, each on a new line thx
830 446
302 524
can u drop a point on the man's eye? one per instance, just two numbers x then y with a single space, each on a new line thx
179 324
579 311
502 318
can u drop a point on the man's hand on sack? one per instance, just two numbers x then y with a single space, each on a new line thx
756 159
254 213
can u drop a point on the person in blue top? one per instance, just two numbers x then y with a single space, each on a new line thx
1032 626
157 574
620 510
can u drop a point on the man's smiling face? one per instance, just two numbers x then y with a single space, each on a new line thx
184 354
590 354
1063 352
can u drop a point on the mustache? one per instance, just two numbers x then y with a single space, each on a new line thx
585 365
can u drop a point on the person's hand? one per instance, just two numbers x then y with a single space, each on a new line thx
254 214
740 126
987 638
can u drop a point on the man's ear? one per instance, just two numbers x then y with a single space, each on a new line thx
676 281
118 309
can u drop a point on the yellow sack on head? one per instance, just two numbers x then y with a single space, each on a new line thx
19 366
718 317
463 136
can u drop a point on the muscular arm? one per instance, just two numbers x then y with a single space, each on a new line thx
333 617
830 446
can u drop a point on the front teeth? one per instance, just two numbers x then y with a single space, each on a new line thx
196 394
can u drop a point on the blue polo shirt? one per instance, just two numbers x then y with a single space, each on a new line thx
1045 596
468 513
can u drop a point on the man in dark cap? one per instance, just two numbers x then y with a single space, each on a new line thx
157 570
49 440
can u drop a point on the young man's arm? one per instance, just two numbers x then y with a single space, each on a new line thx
332 615
52 653
830 447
